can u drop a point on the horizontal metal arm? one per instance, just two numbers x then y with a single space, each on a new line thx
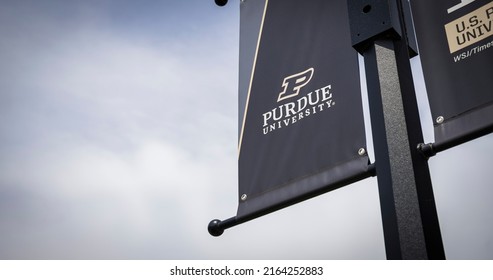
216 227
431 149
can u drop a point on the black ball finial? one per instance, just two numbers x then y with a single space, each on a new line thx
214 229
221 2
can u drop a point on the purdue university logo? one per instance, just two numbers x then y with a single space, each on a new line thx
294 83
297 110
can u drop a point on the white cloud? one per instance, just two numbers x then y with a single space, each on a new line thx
123 138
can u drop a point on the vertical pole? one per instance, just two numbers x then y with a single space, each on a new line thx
424 186
409 216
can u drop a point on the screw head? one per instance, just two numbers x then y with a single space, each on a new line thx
243 197
440 119
362 152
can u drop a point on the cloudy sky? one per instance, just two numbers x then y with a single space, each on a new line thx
118 132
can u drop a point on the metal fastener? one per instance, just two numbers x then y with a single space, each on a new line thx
440 119
362 152
244 197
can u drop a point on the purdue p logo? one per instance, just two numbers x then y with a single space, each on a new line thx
292 84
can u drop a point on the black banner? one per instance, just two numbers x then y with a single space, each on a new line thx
455 40
302 129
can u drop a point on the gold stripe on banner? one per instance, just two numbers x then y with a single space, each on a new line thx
251 77
471 28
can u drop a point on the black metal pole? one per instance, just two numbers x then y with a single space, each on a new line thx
409 216
424 186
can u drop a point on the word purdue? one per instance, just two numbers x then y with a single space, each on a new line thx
292 112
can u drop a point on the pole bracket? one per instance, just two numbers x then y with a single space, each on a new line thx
372 19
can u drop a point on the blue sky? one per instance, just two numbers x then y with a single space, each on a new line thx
118 132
